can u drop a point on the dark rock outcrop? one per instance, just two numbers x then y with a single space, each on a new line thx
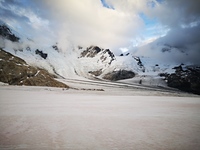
96 73
139 63
119 75
110 54
15 71
55 47
187 79
6 33
91 51
43 55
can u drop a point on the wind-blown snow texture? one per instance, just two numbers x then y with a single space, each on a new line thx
50 118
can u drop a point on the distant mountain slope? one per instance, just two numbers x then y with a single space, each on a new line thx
15 71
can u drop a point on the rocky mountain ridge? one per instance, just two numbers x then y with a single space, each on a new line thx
186 79
104 61
92 51
6 33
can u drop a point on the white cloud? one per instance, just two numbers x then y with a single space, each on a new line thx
174 13
91 23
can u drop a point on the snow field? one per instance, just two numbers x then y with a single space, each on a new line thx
51 118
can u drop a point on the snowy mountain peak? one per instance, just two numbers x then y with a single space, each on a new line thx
104 56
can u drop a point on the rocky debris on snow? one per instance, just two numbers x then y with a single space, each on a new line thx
28 48
80 47
15 71
55 47
124 54
91 89
6 33
43 55
119 75
96 73
187 79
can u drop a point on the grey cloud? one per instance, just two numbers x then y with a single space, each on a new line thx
182 36
176 12
182 46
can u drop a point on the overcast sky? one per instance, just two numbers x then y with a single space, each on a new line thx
114 24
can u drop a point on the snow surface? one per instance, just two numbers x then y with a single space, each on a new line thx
117 118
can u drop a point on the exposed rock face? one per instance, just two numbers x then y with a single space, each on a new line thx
15 71
139 63
119 75
6 33
43 55
185 79
111 55
92 51
96 73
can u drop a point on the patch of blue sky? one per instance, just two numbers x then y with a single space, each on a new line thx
153 29
105 4
160 1
148 21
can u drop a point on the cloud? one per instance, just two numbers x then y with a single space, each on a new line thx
114 24
175 13
181 21
88 22
183 46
